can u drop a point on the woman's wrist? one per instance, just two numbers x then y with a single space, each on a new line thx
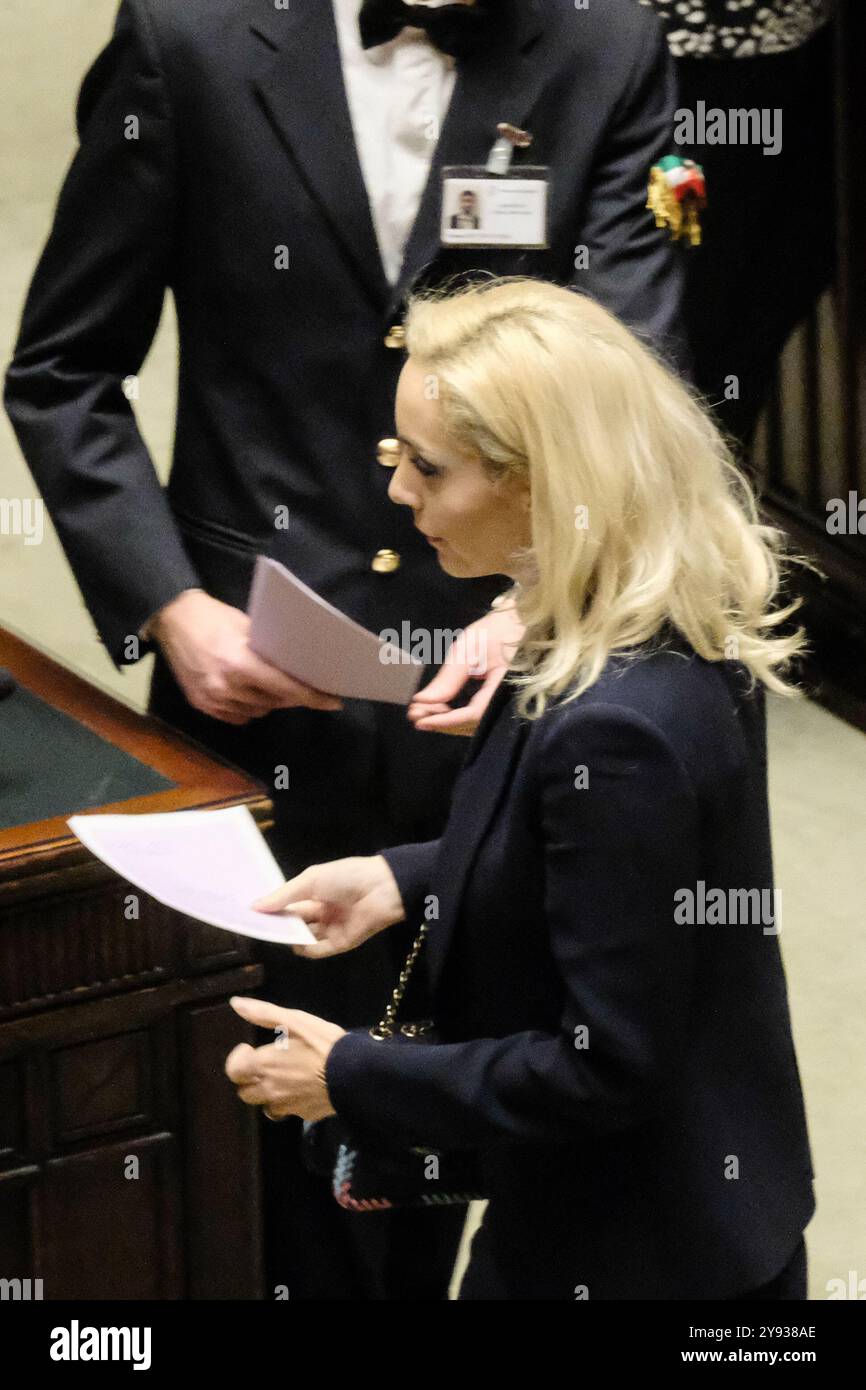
392 899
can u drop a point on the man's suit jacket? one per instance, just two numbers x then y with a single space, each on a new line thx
243 145
662 1153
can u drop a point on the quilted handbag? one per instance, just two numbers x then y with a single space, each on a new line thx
370 1175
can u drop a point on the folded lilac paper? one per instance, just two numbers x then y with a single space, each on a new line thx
306 637
211 865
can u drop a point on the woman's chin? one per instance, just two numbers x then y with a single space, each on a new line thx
458 566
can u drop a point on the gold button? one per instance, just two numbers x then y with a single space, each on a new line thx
388 452
385 561
396 336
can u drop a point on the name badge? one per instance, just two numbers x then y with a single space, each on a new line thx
484 209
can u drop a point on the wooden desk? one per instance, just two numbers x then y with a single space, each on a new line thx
128 1168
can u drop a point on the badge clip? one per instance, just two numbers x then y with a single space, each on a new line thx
510 138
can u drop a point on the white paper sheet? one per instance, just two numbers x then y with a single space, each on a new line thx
305 636
210 865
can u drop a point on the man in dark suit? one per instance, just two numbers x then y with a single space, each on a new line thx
228 152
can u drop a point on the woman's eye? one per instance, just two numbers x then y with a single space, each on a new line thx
427 470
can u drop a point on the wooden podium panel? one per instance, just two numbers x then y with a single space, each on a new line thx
128 1168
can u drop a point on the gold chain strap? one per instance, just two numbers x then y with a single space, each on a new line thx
385 1027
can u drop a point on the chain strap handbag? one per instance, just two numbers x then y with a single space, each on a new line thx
373 1176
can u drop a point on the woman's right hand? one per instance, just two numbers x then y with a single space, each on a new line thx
344 903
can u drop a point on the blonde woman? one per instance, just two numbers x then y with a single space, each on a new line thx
603 956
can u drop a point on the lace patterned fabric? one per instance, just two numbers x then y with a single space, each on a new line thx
738 28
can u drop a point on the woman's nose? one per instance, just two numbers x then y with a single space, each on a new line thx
399 492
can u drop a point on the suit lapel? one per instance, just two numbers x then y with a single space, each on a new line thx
305 96
483 781
499 84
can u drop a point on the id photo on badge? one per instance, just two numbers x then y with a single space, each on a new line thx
483 210
467 215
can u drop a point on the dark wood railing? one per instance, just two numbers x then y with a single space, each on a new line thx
810 447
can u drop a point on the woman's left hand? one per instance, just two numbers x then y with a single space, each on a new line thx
287 1076
483 651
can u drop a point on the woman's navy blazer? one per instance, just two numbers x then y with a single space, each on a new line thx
606 975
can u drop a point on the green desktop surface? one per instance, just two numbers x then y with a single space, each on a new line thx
51 765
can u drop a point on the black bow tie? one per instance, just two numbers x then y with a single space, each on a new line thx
455 29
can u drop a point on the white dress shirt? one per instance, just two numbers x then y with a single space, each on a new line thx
398 95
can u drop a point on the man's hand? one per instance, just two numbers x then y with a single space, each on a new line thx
205 644
345 902
482 652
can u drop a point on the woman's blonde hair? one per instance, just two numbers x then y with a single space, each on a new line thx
640 517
